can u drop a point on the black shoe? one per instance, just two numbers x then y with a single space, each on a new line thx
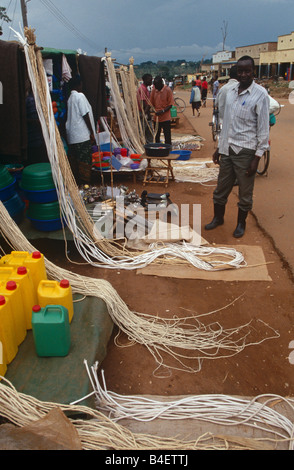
218 218
241 224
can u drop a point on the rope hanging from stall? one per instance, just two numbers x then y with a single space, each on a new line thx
128 134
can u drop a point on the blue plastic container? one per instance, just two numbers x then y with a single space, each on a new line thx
15 169
15 206
48 195
8 191
46 225
106 147
183 154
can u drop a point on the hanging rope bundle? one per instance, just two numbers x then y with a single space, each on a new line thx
127 80
129 135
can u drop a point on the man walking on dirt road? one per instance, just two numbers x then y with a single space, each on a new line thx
243 140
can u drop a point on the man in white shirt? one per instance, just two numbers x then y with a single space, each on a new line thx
243 140
80 131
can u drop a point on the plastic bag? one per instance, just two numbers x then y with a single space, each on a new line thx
274 105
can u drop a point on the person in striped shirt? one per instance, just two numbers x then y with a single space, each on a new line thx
243 140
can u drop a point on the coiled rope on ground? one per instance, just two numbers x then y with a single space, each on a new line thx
99 432
218 409
164 338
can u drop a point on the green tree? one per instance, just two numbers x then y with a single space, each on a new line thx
3 17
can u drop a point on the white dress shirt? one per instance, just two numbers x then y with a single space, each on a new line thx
246 120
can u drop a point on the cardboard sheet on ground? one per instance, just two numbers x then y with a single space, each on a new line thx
166 233
256 269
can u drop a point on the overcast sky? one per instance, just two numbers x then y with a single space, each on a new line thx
151 30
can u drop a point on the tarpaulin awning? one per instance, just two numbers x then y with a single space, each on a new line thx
47 51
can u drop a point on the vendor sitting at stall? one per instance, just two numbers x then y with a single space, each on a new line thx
80 131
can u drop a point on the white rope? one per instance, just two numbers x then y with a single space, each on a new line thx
219 409
164 338
98 432
127 132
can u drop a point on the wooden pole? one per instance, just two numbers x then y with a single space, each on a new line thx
24 13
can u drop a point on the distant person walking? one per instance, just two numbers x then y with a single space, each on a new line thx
198 82
162 100
243 140
204 88
215 89
195 98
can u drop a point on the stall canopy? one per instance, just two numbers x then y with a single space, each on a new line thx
13 81
91 70
13 139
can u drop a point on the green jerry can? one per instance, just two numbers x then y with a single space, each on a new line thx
51 330
173 112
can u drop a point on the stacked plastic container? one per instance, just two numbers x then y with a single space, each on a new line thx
39 189
9 196
29 301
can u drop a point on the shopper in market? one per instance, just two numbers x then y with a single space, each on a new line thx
80 131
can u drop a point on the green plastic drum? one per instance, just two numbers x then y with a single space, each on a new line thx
46 211
37 177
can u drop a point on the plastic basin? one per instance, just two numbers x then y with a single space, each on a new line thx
183 154
46 225
8 191
6 179
15 170
40 196
15 207
37 177
157 150
47 211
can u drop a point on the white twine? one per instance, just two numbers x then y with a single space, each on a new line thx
218 409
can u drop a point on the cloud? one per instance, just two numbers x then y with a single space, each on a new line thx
193 52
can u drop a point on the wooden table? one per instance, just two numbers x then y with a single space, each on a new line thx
153 173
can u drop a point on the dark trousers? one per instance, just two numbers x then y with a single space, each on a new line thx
232 167
164 126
